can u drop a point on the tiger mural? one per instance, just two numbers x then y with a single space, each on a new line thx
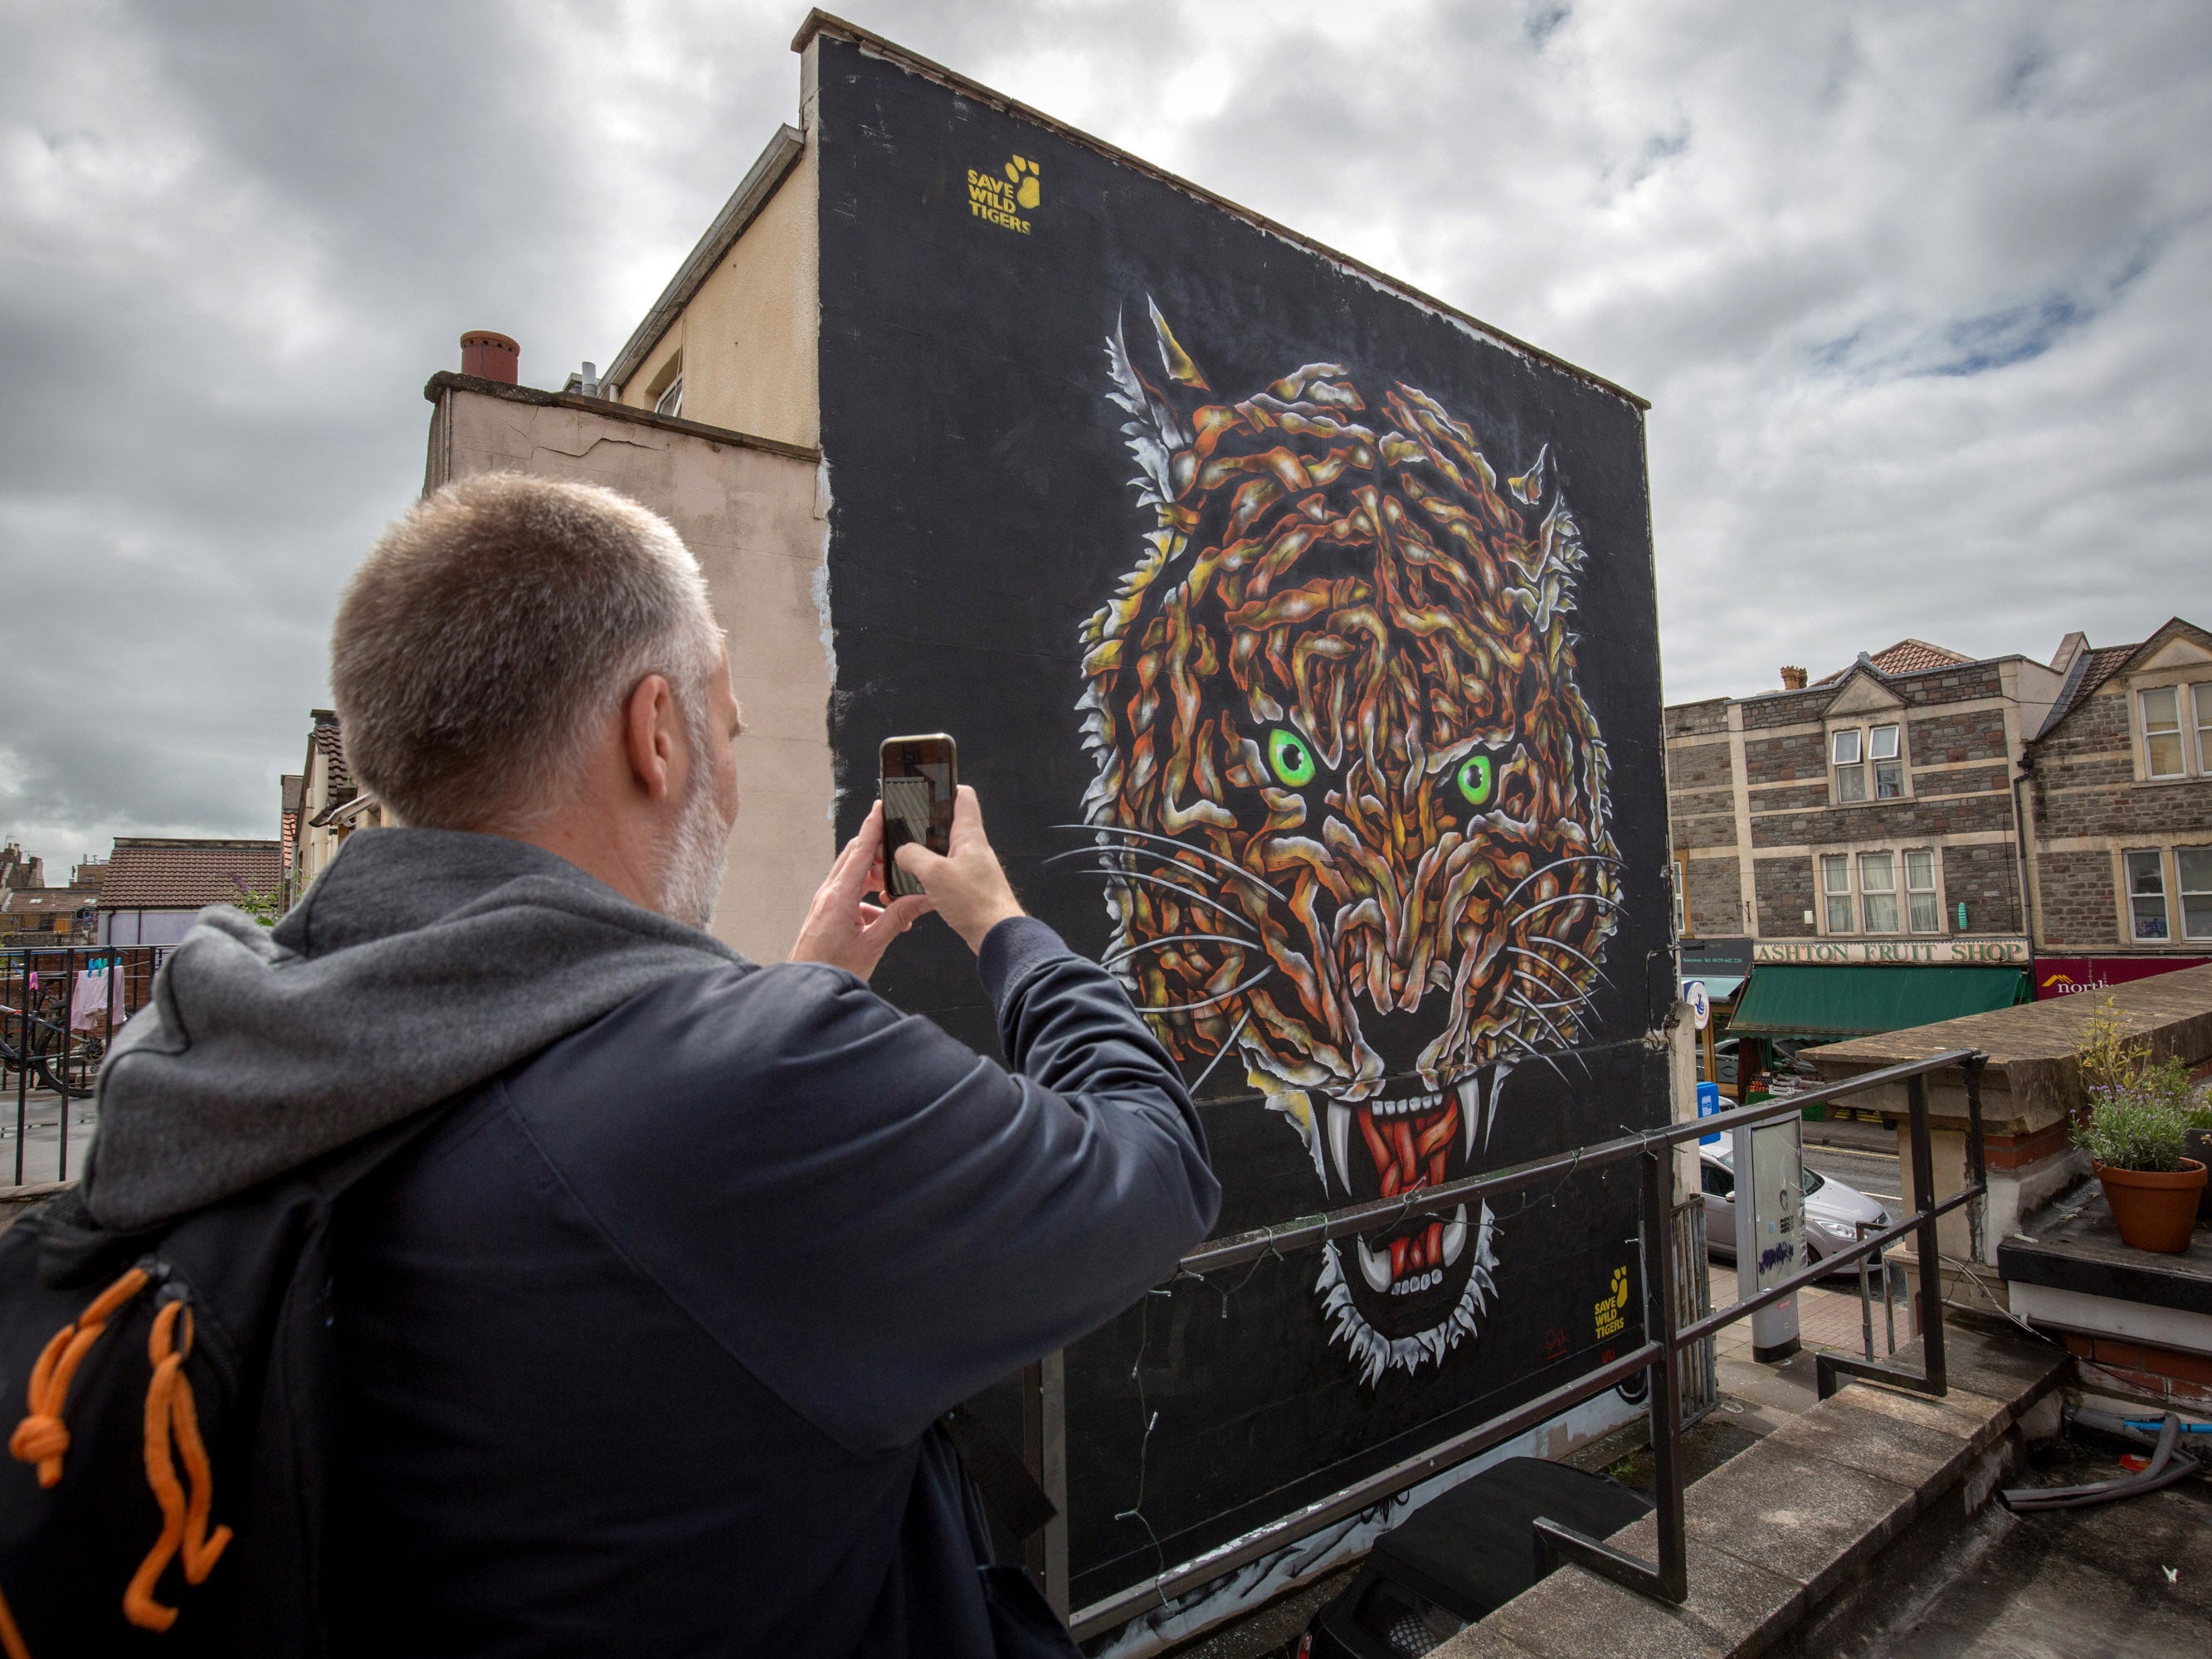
1350 808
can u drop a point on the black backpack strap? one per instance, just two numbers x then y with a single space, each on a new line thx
1009 1490
74 1249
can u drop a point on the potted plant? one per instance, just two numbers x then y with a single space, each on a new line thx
2135 1129
2196 1143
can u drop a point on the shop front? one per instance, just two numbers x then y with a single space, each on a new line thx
1794 1001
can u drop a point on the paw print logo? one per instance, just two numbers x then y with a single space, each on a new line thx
1023 174
1620 1287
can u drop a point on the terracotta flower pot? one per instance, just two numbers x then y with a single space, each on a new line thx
2154 1211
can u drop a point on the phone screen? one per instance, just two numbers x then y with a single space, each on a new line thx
919 777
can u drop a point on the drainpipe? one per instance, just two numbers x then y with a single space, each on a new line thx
2019 835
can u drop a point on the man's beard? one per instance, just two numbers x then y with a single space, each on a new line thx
698 850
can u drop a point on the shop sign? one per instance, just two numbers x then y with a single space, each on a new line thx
1915 952
2066 976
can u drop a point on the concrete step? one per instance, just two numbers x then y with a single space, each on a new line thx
1783 1535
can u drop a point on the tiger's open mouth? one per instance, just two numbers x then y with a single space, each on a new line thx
1398 1145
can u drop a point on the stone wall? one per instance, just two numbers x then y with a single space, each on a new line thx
1973 780
1785 893
1978 734
1689 720
1785 760
1899 821
2075 902
1713 892
1700 766
1987 879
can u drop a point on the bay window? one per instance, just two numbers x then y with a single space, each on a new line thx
2194 867
2146 893
1878 891
2161 719
1851 771
1920 890
1836 888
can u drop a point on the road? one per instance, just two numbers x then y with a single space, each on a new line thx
1874 1174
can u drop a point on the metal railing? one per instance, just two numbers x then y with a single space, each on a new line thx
47 1045
1665 1336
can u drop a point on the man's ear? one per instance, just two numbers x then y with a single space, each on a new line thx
649 735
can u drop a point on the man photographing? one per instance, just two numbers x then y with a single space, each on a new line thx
641 1340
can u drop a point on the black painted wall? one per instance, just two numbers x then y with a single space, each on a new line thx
982 511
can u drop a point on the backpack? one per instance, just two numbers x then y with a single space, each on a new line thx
167 1489
167 1486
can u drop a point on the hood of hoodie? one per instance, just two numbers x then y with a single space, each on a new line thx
421 962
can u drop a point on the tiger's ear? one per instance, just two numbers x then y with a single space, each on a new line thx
1155 430
1173 357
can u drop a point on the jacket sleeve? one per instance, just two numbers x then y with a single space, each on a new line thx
877 1221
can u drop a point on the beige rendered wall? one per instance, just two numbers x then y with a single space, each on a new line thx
752 517
748 336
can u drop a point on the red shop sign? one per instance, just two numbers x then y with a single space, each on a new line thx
2065 976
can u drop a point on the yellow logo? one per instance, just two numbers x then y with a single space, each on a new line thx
1002 197
1611 1314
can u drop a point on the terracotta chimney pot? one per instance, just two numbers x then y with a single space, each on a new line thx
1793 679
490 356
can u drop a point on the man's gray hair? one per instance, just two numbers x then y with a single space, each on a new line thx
491 632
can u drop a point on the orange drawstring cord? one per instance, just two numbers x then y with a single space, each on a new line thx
169 1410
11 1639
41 1438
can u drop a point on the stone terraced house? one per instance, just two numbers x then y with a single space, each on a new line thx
1923 833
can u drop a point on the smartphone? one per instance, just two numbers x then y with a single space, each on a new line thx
920 777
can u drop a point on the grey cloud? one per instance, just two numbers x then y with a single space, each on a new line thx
1918 293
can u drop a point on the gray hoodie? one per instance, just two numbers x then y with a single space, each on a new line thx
422 961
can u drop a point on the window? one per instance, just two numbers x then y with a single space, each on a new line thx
672 401
2194 865
1843 756
1888 765
1720 1183
1878 891
2201 696
2147 893
1920 890
1836 888
2161 712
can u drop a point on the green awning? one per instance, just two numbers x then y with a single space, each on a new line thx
1803 1001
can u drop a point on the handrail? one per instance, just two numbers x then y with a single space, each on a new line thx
1667 1580
1240 1248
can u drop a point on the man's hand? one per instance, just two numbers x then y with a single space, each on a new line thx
967 887
842 928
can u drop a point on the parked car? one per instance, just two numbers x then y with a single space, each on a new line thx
1830 1208
1465 1552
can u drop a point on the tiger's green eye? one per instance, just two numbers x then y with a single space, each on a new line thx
1293 763
1476 779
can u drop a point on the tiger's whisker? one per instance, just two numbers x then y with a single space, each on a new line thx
1545 938
1535 984
1106 857
1227 1043
1191 1007
1542 1018
1191 893
1548 939
1210 856
1569 1049
1122 955
1534 1052
1577 858
1568 898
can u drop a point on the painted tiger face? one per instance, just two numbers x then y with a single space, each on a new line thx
1350 808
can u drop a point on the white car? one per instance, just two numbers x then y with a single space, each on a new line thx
1830 1209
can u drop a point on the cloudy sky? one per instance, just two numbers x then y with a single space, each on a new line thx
1919 293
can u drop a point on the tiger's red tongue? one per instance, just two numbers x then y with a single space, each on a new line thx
1409 1150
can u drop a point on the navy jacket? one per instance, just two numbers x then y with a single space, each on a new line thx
640 1347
